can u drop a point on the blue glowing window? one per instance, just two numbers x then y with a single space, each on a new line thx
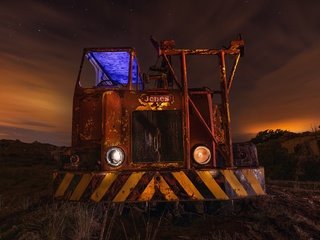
113 68
135 72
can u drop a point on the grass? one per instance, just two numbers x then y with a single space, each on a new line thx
28 212
23 179
62 221
79 221
76 221
23 186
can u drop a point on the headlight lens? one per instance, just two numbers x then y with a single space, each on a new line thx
74 159
115 156
202 154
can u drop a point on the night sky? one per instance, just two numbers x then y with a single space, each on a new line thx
277 84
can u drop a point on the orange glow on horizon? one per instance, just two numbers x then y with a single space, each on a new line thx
292 125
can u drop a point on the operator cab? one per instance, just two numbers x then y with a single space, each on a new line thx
110 68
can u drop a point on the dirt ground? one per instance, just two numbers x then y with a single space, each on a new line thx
27 211
282 214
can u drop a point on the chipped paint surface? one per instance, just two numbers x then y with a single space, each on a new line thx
113 119
88 129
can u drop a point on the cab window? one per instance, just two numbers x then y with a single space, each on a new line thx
109 69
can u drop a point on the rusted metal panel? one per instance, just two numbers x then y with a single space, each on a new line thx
86 133
119 107
245 154
115 121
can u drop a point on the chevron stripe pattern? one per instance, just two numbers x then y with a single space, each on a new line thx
186 185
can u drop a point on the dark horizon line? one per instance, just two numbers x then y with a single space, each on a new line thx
246 137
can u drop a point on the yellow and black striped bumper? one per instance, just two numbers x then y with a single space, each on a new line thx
186 185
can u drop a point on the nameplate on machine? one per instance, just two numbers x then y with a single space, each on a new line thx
157 98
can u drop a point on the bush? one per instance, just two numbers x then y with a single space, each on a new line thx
278 163
276 160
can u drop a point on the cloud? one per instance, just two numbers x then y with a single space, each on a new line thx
29 101
285 98
42 41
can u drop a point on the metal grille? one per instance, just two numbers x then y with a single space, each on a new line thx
157 136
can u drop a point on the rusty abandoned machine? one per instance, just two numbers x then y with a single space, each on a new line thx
140 138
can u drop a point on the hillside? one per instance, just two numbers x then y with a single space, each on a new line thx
27 153
289 156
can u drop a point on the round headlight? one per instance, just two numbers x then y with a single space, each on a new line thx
202 154
74 159
115 156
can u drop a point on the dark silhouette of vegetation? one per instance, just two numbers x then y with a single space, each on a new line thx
270 134
15 151
310 170
282 165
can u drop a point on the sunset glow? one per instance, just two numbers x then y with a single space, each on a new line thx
293 125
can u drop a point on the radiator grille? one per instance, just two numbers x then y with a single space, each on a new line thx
157 136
